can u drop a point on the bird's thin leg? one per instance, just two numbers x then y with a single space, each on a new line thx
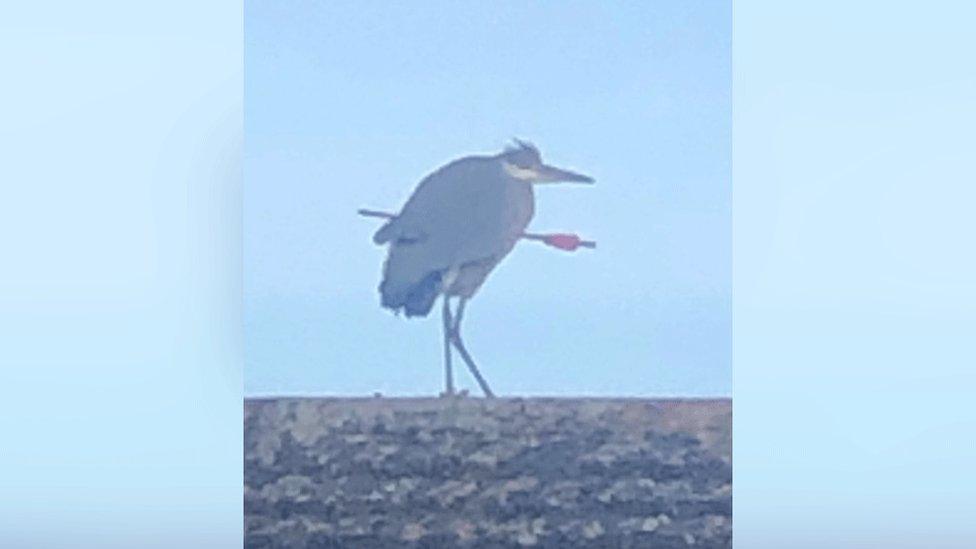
456 338
448 332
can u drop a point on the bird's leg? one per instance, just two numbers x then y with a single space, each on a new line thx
448 333
456 338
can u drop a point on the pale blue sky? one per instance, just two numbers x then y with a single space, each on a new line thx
350 104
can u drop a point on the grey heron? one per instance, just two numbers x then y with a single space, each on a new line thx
458 224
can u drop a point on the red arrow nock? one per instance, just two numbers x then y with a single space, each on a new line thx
568 242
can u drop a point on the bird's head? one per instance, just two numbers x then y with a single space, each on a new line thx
523 161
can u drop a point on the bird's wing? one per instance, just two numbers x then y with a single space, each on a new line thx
457 215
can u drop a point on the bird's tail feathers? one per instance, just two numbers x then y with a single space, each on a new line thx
385 233
415 300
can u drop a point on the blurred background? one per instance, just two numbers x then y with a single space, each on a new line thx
351 104
120 337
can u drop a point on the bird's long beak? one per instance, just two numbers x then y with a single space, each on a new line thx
551 174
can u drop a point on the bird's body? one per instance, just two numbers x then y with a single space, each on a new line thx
460 222
457 226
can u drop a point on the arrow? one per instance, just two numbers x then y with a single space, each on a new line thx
564 241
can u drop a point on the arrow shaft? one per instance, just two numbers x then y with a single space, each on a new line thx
527 236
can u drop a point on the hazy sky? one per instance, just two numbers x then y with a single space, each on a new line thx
350 104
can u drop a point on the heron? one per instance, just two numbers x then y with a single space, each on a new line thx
455 228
